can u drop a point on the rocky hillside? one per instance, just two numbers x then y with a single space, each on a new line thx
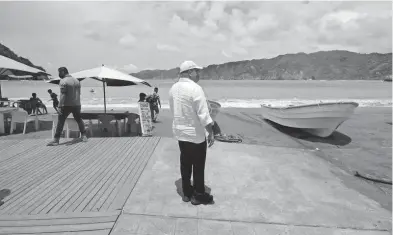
5 51
323 65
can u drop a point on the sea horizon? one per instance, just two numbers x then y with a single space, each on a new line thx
229 93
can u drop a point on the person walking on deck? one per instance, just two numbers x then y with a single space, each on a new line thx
191 121
54 99
154 101
70 91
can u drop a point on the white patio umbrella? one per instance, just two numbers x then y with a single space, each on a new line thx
108 77
7 65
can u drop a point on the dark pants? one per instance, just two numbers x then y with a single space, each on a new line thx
63 114
192 160
55 105
152 109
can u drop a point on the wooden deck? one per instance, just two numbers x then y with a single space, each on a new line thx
73 187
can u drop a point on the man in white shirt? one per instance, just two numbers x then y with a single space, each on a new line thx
191 124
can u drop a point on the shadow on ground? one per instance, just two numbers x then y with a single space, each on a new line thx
3 194
337 138
179 187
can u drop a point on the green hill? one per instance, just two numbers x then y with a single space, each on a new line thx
322 65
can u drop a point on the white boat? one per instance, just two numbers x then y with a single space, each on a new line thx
320 119
214 108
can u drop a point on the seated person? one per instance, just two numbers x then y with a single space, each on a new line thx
36 104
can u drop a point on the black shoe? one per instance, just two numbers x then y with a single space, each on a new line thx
54 142
186 198
84 138
199 198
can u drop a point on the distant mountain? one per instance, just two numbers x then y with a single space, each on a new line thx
5 51
322 65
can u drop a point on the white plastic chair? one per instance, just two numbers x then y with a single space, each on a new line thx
104 122
54 124
69 125
21 116
133 120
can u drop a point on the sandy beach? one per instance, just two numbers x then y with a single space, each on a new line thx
362 143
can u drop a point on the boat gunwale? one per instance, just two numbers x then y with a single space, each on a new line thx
308 105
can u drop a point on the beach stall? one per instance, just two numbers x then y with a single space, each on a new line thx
108 77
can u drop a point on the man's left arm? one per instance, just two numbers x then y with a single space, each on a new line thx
159 100
201 108
63 91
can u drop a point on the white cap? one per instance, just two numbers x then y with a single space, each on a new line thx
187 65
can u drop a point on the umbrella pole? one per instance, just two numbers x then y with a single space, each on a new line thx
103 85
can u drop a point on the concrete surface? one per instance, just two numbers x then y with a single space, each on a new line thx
257 190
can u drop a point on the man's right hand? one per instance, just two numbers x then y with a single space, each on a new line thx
210 139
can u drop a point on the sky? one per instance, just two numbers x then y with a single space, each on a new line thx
133 36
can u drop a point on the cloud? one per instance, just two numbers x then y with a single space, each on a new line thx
93 35
165 47
127 40
208 31
128 68
219 37
229 55
247 42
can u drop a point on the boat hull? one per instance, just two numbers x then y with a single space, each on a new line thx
320 119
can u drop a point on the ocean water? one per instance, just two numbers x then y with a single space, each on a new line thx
233 94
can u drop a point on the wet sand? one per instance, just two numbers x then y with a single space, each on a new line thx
362 143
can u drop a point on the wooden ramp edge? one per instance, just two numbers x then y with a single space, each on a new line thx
78 223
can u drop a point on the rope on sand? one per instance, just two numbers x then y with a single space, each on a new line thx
372 179
228 138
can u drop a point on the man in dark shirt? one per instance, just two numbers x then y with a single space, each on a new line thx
53 97
70 89
154 100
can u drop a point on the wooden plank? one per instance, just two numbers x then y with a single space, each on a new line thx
47 158
102 162
38 162
95 232
58 228
34 157
61 190
20 149
130 181
38 195
55 222
28 176
48 175
74 215
114 177
69 189
24 181
130 167
5 144
89 192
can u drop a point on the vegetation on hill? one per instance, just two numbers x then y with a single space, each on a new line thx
322 65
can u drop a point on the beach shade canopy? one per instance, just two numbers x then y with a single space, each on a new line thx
108 77
7 64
